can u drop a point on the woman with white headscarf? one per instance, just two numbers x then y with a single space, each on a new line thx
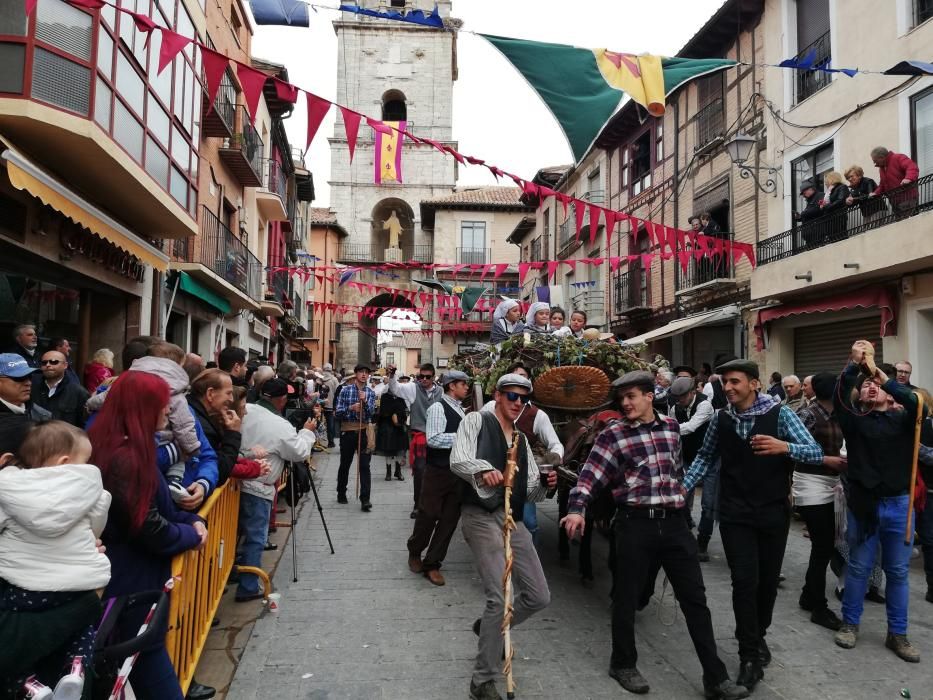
537 320
504 320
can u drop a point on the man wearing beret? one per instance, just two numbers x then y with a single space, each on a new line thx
478 457
758 443
639 460
439 507
355 407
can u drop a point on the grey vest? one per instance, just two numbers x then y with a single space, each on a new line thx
491 446
419 409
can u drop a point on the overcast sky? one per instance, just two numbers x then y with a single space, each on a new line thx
497 117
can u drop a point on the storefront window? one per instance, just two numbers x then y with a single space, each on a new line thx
53 309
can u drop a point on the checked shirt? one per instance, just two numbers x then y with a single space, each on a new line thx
639 462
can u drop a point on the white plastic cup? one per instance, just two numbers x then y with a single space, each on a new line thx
274 602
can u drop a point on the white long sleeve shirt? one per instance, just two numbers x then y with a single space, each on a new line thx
544 429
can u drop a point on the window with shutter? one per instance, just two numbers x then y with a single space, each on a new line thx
921 122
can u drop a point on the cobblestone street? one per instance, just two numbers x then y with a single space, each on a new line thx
358 624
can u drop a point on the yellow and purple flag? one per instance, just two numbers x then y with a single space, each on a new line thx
388 160
583 88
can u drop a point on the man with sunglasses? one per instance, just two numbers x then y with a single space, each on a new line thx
478 457
56 391
639 460
16 389
419 395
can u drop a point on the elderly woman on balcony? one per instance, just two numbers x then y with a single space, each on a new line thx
860 190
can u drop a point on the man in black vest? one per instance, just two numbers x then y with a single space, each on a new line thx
439 507
478 457
757 443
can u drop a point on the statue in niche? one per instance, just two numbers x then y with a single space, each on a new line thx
394 227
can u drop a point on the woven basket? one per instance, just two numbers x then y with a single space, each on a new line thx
573 388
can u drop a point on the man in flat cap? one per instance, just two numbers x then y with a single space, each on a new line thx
758 443
639 459
355 407
478 457
439 507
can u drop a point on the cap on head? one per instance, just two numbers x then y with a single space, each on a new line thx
14 366
274 388
637 378
685 368
807 185
452 376
682 386
747 366
328 367
512 380
362 367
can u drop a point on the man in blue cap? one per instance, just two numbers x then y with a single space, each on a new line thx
439 505
16 388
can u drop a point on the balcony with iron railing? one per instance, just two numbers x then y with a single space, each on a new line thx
219 121
707 273
535 250
883 235
809 82
376 253
710 126
595 196
630 295
271 196
242 152
474 256
215 255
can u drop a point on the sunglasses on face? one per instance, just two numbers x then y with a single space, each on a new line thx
425 377
515 396
51 362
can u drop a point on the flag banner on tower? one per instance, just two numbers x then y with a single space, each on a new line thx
388 165
288 13
583 88
415 16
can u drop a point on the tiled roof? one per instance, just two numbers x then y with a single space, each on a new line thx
319 215
482 196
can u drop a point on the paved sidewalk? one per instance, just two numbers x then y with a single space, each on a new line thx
359 625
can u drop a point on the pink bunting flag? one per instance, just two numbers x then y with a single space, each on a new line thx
579 212
215 65
143 24
378 126
500 268
552 269
646 260
735 251
252 82
285 91
614 264
529 188
455 153
486 269
684 258
30 6
611 218
351 124
496 172
595 211
700 247
572 263
564 199
172 43
475 161
523 272
670 235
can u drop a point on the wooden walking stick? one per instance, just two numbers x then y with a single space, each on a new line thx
508 481
359 441
913 471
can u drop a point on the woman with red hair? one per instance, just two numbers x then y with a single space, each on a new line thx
144 529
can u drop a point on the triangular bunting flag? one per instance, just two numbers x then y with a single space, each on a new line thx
523 272
595 211
552 269
252 81
579 212
171 44
215 65
285 91
611 218
351 125
614 264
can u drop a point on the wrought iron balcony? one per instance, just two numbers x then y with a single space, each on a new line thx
710 125
630 295
224 254
706 273
242 152
219 121
474 256
534 253
812 81
376 252
897 204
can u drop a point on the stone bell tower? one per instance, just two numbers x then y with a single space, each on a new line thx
392 71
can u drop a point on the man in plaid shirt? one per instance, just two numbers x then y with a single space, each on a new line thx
639 460
355 407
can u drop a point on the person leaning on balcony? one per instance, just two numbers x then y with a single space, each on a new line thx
860 190
811 230
894 171
833 205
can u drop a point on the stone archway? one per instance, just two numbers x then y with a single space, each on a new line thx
368 329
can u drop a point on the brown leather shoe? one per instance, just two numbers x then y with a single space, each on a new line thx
435 577
414 564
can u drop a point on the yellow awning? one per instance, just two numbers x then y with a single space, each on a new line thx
25 175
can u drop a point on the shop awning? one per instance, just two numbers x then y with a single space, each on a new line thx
25 175
189 285
883 298
681 325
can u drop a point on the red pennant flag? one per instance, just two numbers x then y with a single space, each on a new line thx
455 153
735 251
475 161
749 251
523 272
172 43
486 269
579 211
572 264
530 188
252 81
285 91
700 247
670 235
564 199
496 172
684 258
378 126
143 23
596 262
595 211
500 268
633 228
717 247
30 6
614 264
351 124
646 261
611 218
214 66
552 269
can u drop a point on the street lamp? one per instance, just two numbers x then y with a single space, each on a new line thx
740 150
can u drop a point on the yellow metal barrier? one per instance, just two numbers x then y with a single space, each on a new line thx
203 574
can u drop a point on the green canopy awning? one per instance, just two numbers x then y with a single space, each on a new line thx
189 285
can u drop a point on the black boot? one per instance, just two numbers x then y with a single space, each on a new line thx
750 673
929 597
388 472
702 545
398 472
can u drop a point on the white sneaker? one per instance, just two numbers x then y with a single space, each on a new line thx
71 686
36 689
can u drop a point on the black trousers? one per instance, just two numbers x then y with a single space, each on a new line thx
640 543
349 440
821 524
417 469
755 554
438 515
585 567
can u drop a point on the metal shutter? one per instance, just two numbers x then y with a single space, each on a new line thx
824 348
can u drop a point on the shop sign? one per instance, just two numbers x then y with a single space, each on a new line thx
77 240
262 329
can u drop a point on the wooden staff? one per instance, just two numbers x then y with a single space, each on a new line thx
908 534
359 441
508 481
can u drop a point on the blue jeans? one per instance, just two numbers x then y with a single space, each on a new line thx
530 518
254 527
925 531
895 561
